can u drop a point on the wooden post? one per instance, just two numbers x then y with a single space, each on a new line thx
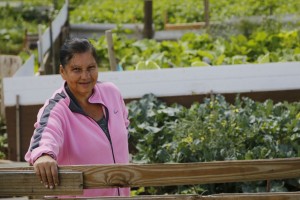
18 143
40 51
65 34
66 28
206 12
52 49
148 30
111 52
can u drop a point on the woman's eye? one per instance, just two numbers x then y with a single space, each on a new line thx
76 69
91 68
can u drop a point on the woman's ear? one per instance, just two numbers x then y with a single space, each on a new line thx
62 71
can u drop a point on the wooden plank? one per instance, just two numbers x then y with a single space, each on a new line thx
15 198
258 196
136 175
244 196
185 26
11 164
169 82
187 173
97 30
16 182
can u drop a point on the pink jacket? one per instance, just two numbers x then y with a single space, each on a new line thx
72 138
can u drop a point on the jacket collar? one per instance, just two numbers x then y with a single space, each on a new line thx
74 105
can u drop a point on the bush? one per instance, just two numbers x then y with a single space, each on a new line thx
3 139
215 130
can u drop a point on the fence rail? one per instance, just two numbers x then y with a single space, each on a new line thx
22 180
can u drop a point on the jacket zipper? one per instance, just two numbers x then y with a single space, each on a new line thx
75 107
109 139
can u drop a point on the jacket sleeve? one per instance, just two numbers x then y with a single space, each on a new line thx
48 135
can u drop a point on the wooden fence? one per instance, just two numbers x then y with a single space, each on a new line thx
18 181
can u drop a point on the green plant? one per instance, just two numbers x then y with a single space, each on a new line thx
151 122
16 20
215 130
259 47
3 139
179 11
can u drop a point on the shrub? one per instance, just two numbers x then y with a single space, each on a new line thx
215 130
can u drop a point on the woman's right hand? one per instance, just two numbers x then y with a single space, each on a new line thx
46 169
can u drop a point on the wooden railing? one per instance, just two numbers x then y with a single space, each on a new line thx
22 181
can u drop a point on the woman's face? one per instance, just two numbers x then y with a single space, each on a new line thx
81 74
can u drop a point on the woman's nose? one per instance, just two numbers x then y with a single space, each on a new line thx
85 74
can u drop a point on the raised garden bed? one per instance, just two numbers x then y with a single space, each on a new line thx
277 81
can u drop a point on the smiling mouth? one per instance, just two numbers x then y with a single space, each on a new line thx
85 83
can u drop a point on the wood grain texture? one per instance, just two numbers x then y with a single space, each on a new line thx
16 183
244 196
136 175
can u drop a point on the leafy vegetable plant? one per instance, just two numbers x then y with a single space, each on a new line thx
203 50
215 130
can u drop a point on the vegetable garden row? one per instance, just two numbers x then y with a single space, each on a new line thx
202 50
215 129
179 11
29 14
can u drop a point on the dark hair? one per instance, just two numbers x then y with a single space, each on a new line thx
73 46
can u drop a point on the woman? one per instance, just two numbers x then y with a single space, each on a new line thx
85 121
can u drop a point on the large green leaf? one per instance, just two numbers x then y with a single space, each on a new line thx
147 65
